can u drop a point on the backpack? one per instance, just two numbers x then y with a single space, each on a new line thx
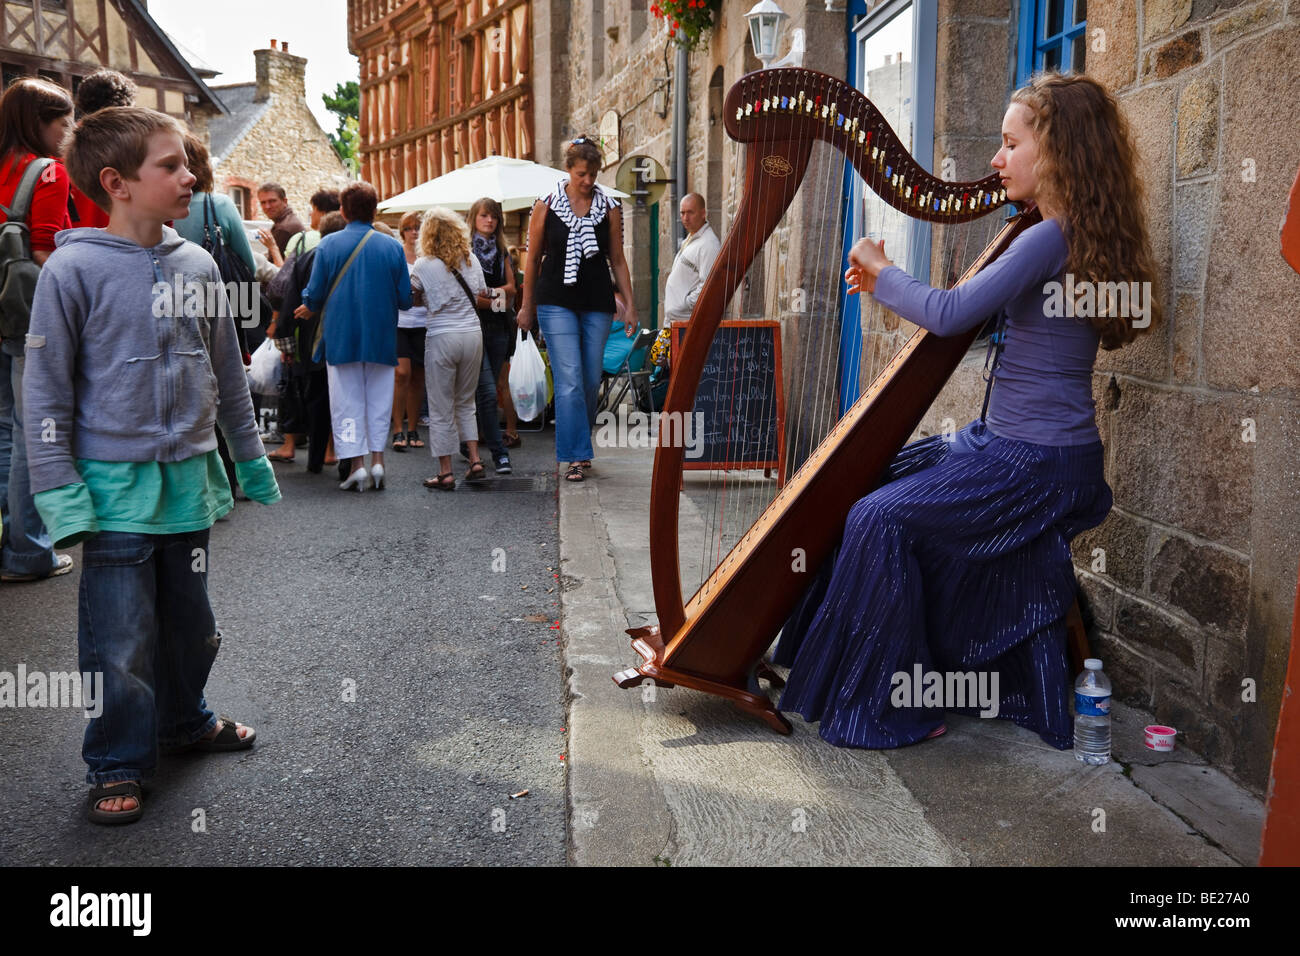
234 269
18 271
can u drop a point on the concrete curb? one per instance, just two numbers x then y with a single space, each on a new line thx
617 815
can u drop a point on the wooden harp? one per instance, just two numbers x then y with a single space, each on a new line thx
714 640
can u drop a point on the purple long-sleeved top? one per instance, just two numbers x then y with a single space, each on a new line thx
1042 392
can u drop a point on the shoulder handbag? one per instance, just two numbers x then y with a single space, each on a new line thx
473 302
317 345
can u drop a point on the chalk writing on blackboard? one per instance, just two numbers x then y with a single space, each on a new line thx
739 399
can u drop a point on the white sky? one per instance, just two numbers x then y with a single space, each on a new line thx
224 34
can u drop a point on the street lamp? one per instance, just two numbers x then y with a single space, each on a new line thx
765 22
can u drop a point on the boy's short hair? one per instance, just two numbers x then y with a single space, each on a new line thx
117 137
359 201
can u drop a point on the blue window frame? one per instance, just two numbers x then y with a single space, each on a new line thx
915 126
1053 36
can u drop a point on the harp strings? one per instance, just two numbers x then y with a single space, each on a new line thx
803 286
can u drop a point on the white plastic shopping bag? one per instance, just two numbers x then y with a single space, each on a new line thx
527 379
265 369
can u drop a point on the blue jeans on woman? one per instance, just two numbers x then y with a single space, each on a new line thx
26 548
144 622
575 343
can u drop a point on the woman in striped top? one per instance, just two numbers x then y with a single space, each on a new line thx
575 242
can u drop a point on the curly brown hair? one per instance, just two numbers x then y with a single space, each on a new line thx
1087 174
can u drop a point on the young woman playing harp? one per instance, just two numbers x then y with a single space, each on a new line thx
960 562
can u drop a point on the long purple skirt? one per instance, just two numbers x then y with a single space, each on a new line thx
961 564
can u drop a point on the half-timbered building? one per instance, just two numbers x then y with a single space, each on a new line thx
64 40
442 84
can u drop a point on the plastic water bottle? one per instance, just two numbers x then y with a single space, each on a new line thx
1092 710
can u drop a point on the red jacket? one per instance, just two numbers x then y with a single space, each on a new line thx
49 212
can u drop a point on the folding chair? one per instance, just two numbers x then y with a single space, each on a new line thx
617 374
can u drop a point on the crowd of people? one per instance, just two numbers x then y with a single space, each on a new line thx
126 425
146 430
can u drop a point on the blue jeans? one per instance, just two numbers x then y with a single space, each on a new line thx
485 400
144 622
26 548
575 342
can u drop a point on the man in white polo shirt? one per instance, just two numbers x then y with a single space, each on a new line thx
693 262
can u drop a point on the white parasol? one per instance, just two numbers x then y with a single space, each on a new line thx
514 183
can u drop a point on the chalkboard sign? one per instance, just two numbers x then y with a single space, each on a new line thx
740 398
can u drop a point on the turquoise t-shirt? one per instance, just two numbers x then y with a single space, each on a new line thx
150 497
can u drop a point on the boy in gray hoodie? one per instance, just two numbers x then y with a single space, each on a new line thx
132 357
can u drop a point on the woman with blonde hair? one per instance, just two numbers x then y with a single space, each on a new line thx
452 280
961 563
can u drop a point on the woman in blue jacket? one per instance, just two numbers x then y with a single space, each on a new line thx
358 281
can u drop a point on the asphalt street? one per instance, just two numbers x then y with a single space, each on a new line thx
397 653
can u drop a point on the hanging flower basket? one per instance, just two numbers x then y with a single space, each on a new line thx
689 21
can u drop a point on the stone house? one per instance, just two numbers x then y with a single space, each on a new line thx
1188 585
64 40
270 134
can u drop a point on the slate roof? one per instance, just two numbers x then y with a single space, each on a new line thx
243 114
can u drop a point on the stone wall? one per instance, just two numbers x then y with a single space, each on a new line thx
621 69
1190 581
974 76
287 144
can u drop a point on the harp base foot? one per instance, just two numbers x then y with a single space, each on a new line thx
648 642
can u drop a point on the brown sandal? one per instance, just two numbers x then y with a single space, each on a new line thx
440 482
476 471
575 474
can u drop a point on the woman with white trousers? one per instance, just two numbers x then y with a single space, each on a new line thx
359 279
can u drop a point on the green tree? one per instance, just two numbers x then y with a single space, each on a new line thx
346 105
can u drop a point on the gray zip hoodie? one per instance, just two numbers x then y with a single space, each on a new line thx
117 372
